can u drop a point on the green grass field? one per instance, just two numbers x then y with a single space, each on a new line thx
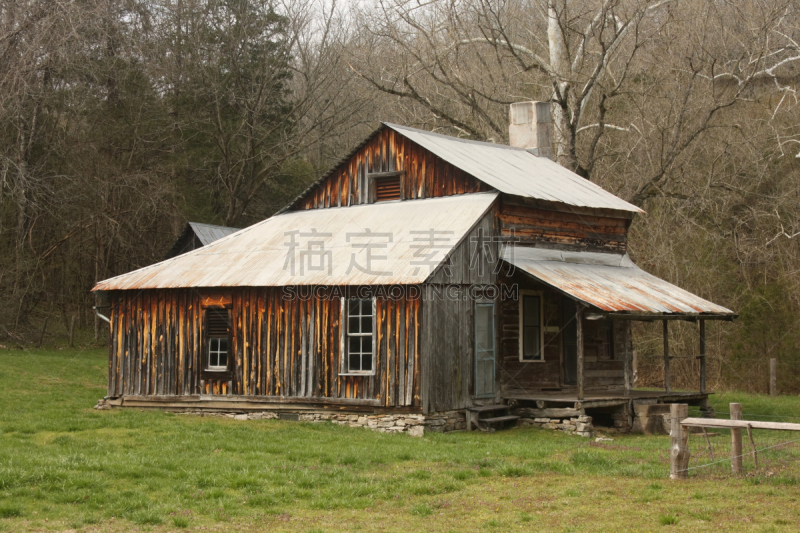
65 466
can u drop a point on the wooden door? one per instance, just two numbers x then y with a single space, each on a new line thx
569 341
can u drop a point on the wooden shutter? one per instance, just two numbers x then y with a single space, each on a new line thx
387 188
216 323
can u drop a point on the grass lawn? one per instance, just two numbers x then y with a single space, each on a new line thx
65 466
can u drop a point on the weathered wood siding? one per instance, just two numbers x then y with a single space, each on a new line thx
280 347
426 175
448 318
604 366
475 260
448 336
560 229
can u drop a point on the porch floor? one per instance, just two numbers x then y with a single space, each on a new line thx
604 398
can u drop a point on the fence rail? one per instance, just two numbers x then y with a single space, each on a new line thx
679 437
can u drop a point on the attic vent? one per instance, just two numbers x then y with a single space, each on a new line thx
387 186
217 322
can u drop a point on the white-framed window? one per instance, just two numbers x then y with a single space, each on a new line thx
358 336
217 335
531 330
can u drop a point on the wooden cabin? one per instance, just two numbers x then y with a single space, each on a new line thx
425 281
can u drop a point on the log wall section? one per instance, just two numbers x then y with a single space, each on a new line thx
526 224
426 175
604 365
281 347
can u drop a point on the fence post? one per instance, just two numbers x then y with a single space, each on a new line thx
41 337
71 331
773 377
736 440
679 440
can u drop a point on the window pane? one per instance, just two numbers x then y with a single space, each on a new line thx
213 345
223 359
530 310
354 362
366 307
353 327
366 324
366 344
483 325
366 362
223 345
354 345
530 343
212 359
353 307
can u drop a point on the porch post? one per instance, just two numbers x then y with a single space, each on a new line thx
579 328
626 338
702 355
666 355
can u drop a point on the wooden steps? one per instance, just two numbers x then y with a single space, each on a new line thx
500 419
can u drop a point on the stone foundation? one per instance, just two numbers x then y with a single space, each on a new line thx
414 424
580 425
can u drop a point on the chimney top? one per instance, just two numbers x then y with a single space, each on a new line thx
530 126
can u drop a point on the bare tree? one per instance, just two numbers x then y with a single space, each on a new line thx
465 61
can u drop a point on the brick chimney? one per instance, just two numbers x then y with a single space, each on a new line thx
530 126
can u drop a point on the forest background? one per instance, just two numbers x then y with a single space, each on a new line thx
122 119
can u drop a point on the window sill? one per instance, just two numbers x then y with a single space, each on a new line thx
362 374
216 370
531 360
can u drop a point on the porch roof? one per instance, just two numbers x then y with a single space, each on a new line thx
406 241
611 282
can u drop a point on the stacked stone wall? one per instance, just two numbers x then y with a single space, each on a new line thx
580 425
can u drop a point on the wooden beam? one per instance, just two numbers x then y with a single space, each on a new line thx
679 437
666 356
392 174
702 356
626 354
736 439
739 424
579 328
553 412
652 317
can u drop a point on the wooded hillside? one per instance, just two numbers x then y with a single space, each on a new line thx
121 120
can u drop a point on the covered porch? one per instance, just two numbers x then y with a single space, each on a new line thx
609 287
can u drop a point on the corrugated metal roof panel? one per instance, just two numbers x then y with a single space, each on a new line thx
406 240
608 281
208 233
516 171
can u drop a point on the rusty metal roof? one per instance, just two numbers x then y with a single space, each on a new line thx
516 171
406 241
609 282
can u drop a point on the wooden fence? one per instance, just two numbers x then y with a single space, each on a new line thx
679 436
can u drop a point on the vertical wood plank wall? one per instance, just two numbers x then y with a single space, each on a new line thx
426 175
448 335
280 347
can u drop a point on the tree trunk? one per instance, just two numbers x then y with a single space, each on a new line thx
562 137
